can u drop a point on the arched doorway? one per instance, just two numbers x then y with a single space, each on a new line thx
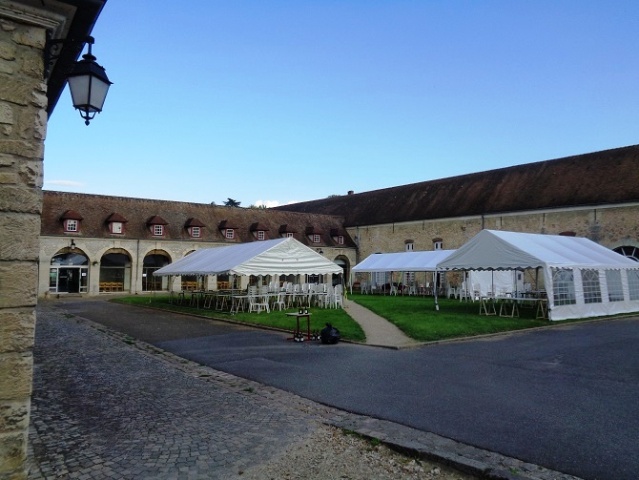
115 271
345 264
153 261
69 272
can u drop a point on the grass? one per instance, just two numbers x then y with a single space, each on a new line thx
417 317
349 329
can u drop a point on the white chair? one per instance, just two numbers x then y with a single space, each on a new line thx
280 301
337 300
257 303
476 291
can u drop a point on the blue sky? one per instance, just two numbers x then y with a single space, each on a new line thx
272 102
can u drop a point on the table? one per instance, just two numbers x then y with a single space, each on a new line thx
509 306
298 332
487 306
195 297
238 302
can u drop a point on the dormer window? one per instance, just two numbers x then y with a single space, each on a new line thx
337 236
71 225
116 222
313 234
286 231
157 226
259 231
71 221
194 227
227 229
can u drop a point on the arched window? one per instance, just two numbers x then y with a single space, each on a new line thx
115 271
152 262
630 252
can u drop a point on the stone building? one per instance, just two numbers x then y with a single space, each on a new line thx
92 244
95 244
29 90
595 195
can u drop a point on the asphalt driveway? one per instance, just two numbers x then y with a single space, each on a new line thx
566 398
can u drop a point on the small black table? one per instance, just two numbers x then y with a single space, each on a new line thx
298 332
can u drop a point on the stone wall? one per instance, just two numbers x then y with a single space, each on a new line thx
608 226
95 248
22 130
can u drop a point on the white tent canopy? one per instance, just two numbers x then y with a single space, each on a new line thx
406 262
582 278
282 256
403 261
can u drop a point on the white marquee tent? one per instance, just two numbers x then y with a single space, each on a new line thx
422 261
282 256
581 277
402 261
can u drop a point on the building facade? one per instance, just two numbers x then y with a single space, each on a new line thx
95 244
92 244
595 195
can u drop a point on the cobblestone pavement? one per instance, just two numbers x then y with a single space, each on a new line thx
108 406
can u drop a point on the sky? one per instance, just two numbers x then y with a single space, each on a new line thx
270 102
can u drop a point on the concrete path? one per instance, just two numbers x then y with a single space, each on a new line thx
379 331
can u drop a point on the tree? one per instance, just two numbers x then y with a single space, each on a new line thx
231 203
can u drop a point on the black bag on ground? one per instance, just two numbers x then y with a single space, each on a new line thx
329 334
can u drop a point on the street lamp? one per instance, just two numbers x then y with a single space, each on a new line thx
89 85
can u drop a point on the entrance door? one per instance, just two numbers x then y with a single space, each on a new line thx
69 280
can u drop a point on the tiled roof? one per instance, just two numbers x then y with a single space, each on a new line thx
257 226
599 178
70 215
116 217
193 222
94 210
156 220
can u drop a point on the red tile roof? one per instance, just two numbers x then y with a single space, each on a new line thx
599 178
94 210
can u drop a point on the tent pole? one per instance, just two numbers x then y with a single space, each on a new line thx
435 290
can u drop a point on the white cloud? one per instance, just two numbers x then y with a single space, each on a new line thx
272 203
64 183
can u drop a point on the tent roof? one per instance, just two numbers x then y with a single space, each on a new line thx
282 256
403 261
500 250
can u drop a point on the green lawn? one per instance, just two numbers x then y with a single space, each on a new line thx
415 316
